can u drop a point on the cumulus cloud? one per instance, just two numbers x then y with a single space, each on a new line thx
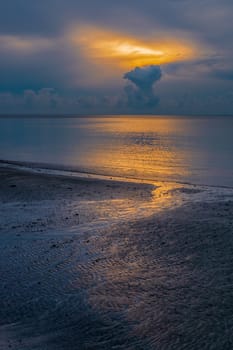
140 93
144 77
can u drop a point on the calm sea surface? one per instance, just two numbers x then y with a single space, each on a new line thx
187 149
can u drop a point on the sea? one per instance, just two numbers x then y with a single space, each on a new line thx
185 149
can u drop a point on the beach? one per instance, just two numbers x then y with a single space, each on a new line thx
90 263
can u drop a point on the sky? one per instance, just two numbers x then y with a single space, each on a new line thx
116 57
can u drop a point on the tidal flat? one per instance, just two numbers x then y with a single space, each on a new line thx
101 264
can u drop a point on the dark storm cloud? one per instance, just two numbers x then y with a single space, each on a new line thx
48 18
144 78
141 94
137 101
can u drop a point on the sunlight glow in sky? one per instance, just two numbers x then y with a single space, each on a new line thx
125 51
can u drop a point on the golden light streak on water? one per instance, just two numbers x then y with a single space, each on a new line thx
148 148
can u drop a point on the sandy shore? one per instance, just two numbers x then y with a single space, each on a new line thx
90 264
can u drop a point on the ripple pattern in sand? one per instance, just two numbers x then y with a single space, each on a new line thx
157 283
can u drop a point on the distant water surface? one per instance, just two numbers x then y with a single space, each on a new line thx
186 149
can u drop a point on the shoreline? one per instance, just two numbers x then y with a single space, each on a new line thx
69 172
95 264
72 172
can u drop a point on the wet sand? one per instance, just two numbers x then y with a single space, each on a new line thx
90 264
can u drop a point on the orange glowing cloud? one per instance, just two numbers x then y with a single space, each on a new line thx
126 51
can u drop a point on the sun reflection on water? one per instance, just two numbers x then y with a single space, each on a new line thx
143 148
